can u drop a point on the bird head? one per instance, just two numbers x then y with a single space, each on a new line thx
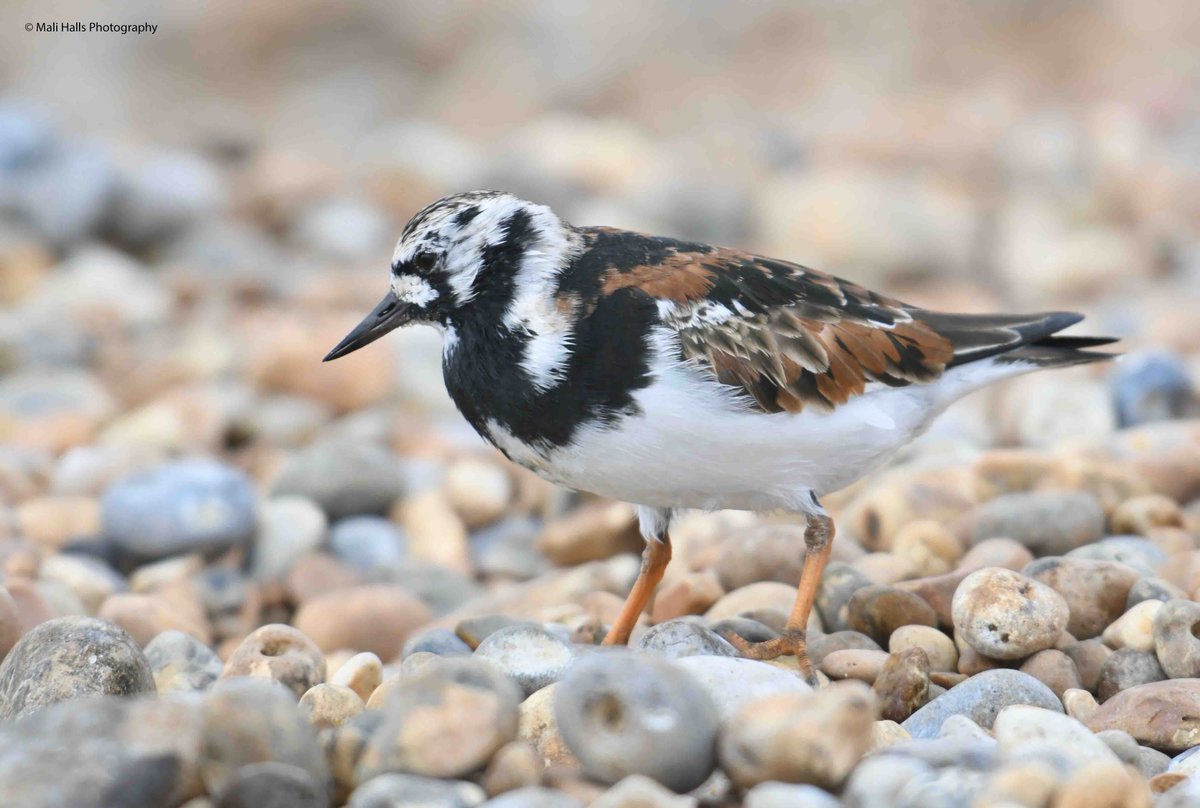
460 254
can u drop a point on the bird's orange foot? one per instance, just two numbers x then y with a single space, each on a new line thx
790 643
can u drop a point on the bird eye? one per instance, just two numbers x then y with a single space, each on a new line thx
424 262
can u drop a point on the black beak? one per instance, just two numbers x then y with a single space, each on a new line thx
390 314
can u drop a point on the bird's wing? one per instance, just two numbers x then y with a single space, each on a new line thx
793 337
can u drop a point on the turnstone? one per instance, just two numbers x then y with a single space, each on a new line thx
677 375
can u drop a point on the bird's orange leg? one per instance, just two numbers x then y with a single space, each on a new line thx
818 541
654 562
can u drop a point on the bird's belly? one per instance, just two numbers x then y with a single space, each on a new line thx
691 445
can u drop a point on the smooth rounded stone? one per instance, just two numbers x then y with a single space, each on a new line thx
185 506
161 194
940 649
1021 729
1079 704
344 745
1142 554
998 552
623 714
91 579
822 645
30 605
69 657
362 673
1127 668
1162 715
1152 588
538 726
1047 522
1095 591
639 790
928 547
1134 629
507 549
528 655
254 721
446 720
10 622
516 765
753 597
878 610
814 738
345 477
330 705
1054 669
440 641
397 790
369 617
1004 615
744 627
1148 762
474 630
788 795
478 490
103 751
271 785
1103 784
1176 636
683 638
591 533
181 663
853 663
1021 782
732 683
879 779
280 653
368 543
147 616
980 698
764 552
1151 386
288 528
1141 514
1089 657
534 797
902 684
838 584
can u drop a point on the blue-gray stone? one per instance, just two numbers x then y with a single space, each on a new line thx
683 638
368 542
1152 386
529 655
346 477
980 698
1133 551
186 506
440 641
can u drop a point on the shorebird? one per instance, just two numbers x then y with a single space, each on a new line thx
678 375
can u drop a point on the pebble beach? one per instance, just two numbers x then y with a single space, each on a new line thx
232 576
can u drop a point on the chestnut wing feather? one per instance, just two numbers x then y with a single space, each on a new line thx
790 337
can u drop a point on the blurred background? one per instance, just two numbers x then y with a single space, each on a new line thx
190 219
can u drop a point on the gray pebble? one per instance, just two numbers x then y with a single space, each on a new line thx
838 584
1127 668
819 647
533 797
529 655
288 528
1152 588
368 542
474 630
508 549
683 638
877 780
396 790
749 630
180 662
733 682
187 506
623 714
346 477
1176 645
787 795
1047 522
1134 551
440 641
980 698
1151 386
69 657
271 785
